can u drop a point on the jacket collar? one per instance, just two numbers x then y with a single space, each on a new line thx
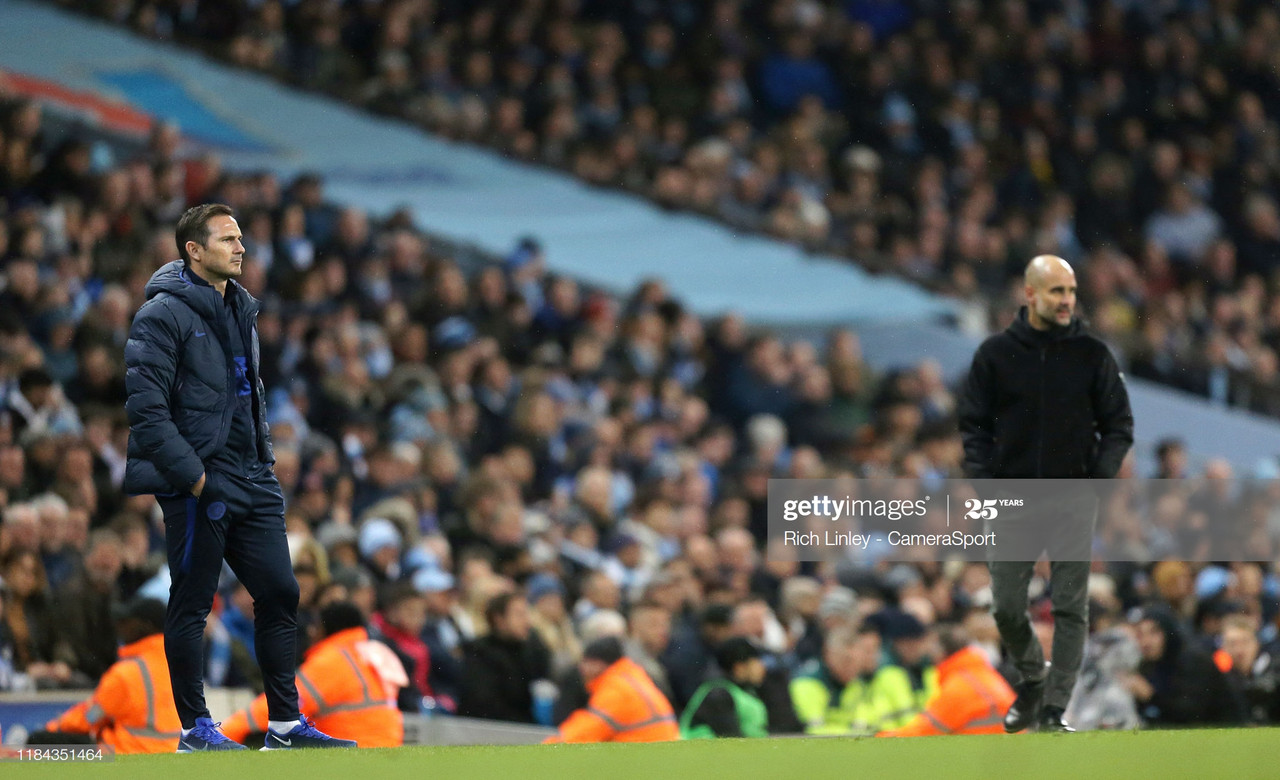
347 636
1021 330
178 280
614 669
969 658
144 646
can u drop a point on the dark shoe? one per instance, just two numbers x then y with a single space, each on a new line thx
303 735
206 736
1026 708
1051 721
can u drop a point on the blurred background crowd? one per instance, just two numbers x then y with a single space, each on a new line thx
499 466
943 141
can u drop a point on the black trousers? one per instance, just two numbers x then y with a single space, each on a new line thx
239 518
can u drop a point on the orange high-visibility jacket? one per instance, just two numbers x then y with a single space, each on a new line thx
348 686
625 706
132 708
972 699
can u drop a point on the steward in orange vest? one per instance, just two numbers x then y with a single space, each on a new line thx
132 708
348 685
972 696
625 705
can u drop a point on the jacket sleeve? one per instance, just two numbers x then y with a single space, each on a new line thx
922 725
1113 418
718 711
105 706
895 699
976 417
151 358
948 713
73 721
582 726
811 701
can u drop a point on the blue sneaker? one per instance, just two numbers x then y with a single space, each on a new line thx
304 735
205 736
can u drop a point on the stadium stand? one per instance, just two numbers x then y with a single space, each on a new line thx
945 142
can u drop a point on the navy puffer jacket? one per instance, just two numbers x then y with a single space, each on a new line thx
181 381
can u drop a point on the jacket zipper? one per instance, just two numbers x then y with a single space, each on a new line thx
1040 426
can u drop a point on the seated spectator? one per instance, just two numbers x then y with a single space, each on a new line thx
972 696
499 668
573 691
1253 671
399 625
688 665
132 708
1177 684
348 684
625 706
910 644
83 608
442 634
648 635
847 692
551 621
1101 699
729 706
29 618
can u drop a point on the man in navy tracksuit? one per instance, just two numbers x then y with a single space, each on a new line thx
198 440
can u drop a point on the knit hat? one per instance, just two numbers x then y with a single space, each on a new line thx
376 534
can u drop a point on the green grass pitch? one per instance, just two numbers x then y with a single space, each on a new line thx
1239 754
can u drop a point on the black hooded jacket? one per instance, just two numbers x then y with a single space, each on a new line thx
1044 404
1187 686
181 380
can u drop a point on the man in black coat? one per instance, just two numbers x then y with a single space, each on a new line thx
1178 683
1046 400
198 440
499 669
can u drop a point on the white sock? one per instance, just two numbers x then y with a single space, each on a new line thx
283 726
186 732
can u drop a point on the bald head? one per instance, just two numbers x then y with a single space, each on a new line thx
1050 291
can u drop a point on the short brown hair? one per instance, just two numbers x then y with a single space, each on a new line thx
193 225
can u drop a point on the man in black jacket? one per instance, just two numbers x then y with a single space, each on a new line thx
500 668
1045 400
198 440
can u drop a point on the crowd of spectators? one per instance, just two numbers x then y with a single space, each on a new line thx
495 465
944 141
